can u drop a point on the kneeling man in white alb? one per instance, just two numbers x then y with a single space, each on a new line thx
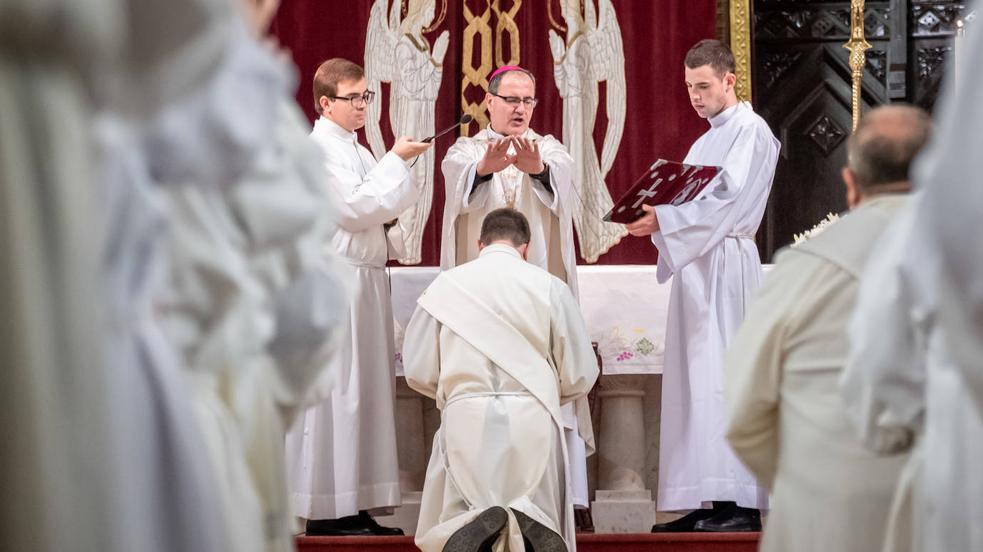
500 344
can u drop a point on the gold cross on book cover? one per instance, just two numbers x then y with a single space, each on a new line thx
665 182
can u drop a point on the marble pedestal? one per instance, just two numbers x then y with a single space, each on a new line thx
622 504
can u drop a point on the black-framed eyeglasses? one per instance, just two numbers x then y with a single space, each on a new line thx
514 101
356 100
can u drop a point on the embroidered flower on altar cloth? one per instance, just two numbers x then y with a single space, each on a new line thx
644 347
628 345
817 229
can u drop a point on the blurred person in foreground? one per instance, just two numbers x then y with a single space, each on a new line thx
786 420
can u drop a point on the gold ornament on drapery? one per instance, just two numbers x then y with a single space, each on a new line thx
858 47
505 26
740 44
475 77
490 45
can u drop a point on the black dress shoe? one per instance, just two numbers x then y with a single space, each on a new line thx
540 537
480 533
361 525
684 524
377 529
582 520
731 520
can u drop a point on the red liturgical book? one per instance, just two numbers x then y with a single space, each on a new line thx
665 182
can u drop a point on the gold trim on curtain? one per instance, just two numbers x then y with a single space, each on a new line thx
477 26
740 44
490 52
506 29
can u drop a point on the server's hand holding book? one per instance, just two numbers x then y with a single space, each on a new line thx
665 182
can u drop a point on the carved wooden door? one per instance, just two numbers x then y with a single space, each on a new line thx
802 88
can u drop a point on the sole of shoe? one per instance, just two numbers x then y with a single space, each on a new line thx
710 528
542 538
479 533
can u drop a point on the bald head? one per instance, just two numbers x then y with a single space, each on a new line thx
880 152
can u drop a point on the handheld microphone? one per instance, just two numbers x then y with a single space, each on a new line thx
465 119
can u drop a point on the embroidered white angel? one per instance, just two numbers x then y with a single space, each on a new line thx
396 52
592 52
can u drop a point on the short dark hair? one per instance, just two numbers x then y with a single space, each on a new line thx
505 224
329 74
711 52
496 81
885 143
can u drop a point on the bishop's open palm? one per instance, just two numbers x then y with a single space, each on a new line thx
527 157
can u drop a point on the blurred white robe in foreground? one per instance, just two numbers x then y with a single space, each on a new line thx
915 371
248 269
105 454
499 383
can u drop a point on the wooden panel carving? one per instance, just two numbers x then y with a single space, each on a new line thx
802 88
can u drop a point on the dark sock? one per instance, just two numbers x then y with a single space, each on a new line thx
719 505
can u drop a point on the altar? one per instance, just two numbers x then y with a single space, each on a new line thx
624 306
625 309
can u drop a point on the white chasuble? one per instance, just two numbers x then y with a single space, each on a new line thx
342 452
551 247
500 344
786 420
548 211
707 246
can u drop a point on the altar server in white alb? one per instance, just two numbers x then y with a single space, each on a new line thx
786 419
342 453
707 246
501 345
508 164
914 378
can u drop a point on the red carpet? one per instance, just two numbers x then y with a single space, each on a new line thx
663 542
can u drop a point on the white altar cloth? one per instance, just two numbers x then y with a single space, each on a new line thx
624 306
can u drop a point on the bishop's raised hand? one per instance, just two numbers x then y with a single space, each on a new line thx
496 157
527 158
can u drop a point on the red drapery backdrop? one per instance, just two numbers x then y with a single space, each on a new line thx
656 35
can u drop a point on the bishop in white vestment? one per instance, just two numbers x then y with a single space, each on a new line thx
786 420
486 172
707 247
500 344
342 453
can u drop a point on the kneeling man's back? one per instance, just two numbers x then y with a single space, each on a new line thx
500 344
